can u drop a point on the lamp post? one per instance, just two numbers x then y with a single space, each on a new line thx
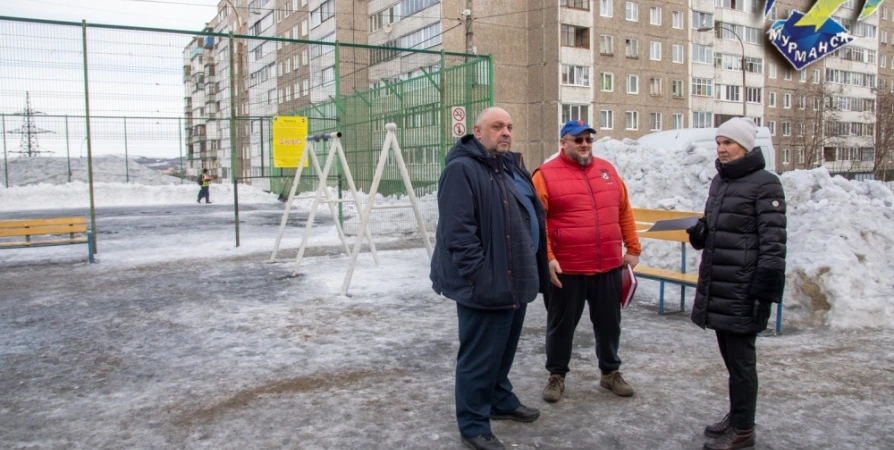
742 44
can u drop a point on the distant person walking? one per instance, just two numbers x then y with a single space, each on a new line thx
205 191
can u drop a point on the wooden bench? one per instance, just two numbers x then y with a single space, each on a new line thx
645 218
48 232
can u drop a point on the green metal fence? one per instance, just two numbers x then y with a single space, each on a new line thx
206 100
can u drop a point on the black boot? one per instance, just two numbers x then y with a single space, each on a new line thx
484 442
733 439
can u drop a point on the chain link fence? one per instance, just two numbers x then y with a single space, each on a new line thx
206 100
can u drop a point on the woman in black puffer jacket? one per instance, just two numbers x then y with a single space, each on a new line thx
742 272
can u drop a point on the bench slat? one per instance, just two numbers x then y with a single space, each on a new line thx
42 243
670 275
42 230
42 222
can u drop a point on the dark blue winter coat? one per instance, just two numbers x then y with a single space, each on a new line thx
477 260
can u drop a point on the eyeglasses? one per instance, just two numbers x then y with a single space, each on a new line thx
580 140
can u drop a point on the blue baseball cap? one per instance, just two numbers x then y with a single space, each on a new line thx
575 127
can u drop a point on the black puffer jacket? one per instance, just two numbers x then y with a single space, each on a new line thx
742 271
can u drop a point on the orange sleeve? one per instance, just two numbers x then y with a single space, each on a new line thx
628 224
543 195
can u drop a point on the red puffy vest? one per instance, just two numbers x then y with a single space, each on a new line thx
583 220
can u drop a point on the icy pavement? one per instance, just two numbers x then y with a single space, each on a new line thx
232 353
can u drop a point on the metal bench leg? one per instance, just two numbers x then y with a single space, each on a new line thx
90 247
779 317
682 298
661 299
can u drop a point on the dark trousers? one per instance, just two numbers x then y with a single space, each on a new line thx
602 292
487 343
204 192
740 356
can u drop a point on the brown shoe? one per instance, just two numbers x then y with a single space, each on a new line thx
715 430
615 382
554 389
733 439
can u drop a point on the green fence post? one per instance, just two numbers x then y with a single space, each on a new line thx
89 140
233 139
180 144
338 127
5 161
126 167
67 149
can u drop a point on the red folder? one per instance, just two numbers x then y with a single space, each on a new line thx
628 285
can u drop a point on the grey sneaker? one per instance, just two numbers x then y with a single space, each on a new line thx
554 389
615 382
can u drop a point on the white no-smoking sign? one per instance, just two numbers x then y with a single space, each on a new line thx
458 121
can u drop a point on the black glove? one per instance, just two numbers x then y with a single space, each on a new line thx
697 231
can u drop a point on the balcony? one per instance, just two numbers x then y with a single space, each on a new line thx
196 52
210 97
209 41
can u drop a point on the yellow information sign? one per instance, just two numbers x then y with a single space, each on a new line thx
289 134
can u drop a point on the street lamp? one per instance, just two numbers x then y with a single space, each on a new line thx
741 43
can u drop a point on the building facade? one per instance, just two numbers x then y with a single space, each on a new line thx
627 67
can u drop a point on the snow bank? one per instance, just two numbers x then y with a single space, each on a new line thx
107 168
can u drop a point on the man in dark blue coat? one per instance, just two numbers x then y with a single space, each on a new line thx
490 258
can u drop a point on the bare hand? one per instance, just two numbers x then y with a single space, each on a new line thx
555 269
631 260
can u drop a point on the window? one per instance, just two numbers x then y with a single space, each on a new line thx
677 20
303 28
772 126
605 9
632 84
738 5
655 51
632 48
575 112
655 15
801 156
606 119
702 87
786 128
322 14
607 82
606 45
802 76
677 121
631 12
412 6
702 20
771 70
802 102
328 75
677 53
655 121
579 4
677 88
788 73
654 86
815 77
702 119
800 128
728 92
702 54
786 156
422 38
771 99
575 75
578 37
753 95
632 120
787 101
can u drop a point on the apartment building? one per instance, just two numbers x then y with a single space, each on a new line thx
629 67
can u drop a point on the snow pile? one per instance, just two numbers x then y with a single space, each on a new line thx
840 232
77 195
107 168
840 241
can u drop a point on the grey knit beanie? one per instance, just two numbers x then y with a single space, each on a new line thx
740 129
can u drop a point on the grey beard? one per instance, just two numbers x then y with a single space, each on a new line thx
582 161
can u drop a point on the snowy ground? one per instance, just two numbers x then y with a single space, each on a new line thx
178 339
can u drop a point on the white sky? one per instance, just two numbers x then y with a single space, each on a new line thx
183 15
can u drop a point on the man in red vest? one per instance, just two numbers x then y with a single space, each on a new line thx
589 223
